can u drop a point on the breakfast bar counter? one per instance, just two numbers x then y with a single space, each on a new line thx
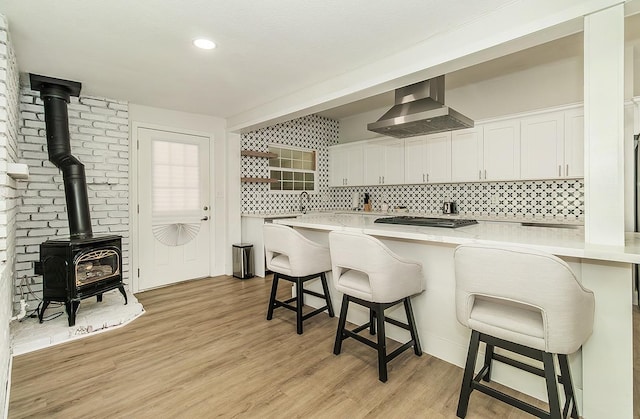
602 369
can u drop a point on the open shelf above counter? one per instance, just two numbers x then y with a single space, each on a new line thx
258 180
252 153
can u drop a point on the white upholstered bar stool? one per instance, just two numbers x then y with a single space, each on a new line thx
294 258
371 275
527 302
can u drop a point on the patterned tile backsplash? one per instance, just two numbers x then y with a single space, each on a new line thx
543 199
313 132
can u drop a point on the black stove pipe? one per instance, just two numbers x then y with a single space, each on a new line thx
55 94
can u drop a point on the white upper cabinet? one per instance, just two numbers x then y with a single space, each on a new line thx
384 162
542 146
574 143
438 149
501 150
428 158
345 165
466 155
415 160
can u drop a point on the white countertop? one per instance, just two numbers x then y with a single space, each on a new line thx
479 217
270 215
558 241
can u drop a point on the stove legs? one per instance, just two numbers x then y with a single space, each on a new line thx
45 304
124 294
122 291
72 307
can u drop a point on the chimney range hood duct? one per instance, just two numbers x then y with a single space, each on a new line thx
419 109
55 94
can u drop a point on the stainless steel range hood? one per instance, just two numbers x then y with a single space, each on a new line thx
420 110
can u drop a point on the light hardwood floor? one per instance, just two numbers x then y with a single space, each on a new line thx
204 349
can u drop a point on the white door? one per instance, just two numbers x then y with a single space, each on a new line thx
173 185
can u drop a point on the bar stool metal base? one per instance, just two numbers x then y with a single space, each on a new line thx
470 383
376 322
299 298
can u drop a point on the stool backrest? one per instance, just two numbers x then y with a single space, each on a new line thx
531 278
391 277
305 256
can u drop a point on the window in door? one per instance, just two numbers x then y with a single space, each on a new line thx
176 182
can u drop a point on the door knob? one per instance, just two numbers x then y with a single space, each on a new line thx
205 218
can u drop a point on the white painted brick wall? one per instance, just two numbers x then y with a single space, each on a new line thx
99 130
9 109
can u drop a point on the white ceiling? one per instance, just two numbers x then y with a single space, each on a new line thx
140 51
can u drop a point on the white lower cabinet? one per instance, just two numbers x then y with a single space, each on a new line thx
252 233
251 228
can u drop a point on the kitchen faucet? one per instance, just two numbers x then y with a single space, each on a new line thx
303 207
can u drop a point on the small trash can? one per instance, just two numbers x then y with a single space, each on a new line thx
243 260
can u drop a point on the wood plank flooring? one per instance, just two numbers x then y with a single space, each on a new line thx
204 349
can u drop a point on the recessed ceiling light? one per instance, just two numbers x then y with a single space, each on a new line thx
204 43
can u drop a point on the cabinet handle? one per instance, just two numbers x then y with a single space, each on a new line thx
485 174
559 170
383 180
427 177
567 172
479 174
423 177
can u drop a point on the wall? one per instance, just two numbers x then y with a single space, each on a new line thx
8 151
559 200
99 130
314 132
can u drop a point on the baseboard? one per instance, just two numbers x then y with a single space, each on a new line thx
8 384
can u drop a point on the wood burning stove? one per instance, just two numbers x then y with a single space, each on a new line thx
83 265
75 269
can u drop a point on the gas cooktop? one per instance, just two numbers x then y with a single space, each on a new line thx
427 221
